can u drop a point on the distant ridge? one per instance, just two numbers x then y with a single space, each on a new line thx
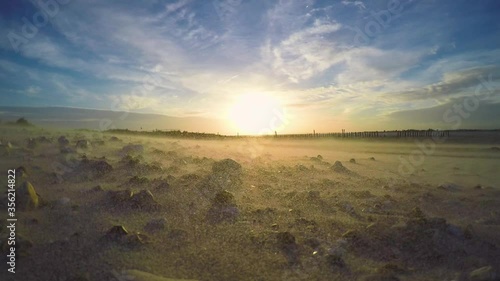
97 119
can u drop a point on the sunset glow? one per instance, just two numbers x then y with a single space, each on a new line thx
252 113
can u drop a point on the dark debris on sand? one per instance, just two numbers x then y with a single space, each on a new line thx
120 235
88 169
339 168
126 198
223 208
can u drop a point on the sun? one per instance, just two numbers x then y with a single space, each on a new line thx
254 113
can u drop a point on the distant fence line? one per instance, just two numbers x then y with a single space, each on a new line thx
340 135
369 134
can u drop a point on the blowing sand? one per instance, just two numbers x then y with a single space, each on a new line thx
121 207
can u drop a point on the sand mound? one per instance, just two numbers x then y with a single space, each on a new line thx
133 148
227 166
63 141
83 144
339 168
143 200
223 208
88 170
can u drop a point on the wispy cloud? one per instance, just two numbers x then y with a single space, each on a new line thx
358 4
307 52
452 85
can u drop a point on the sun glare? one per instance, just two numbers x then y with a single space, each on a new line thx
254 113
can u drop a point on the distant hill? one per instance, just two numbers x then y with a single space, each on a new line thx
79 118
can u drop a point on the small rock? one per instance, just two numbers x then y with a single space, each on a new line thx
223 208
120 196
227 166
352 160
63 141
21 172
144 200
339 168
495 148
138 180
372 158
285 238
116 233
286 243
316 159
156 225
99 142
93 168
43 139
301 168
133 148
131 160
136 239
483 274
163 185
83 144
113 138
224 198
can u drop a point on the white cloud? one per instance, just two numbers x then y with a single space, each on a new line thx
369 63
176 6
358 4
306 53
226 9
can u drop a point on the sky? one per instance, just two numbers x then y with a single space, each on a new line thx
261 66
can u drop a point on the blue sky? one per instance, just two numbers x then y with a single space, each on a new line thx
326 64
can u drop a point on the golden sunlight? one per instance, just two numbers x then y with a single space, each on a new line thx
254 113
